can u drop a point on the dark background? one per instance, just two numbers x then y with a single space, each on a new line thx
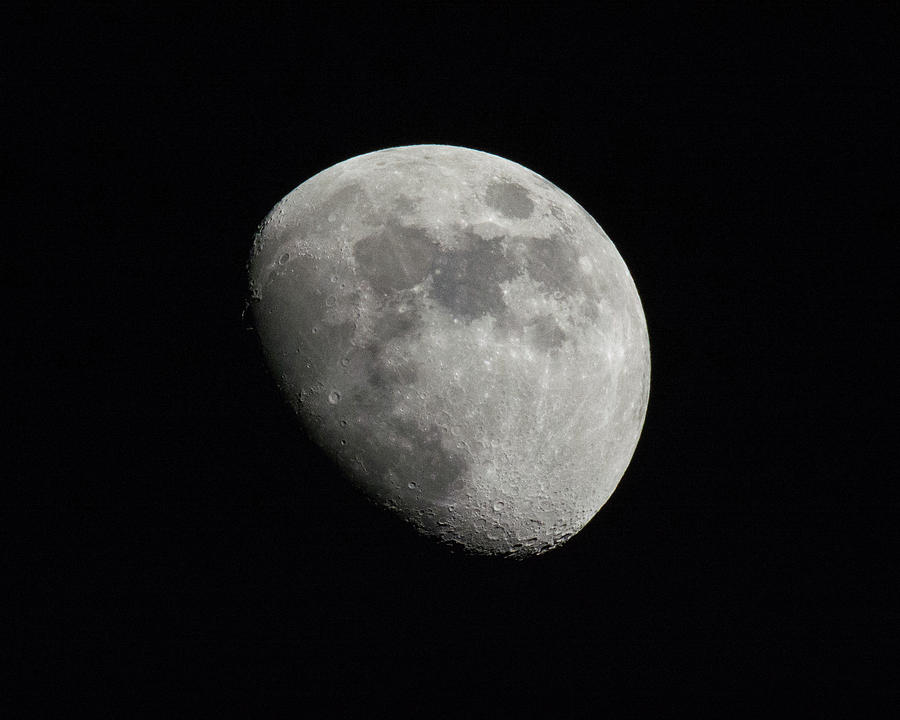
170 538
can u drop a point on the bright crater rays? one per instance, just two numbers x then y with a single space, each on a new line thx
461 337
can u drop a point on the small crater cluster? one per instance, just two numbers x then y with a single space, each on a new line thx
357 294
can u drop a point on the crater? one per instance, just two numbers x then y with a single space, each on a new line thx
510 199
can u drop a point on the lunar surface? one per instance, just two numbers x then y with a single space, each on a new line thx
461 337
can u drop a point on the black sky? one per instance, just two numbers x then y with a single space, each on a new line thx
178 543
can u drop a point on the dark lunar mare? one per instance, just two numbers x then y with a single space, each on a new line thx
345 394
467 281
338 329
395 258
509 198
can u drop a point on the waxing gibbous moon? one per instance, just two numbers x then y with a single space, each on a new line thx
461 337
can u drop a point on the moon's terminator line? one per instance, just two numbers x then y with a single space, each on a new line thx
461 337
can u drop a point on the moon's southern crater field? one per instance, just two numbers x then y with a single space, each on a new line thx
461 337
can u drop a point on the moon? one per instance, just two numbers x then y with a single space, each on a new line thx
461 337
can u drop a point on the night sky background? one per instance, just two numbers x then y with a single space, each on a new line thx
171 539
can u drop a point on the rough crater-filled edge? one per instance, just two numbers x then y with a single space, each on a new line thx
461 337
